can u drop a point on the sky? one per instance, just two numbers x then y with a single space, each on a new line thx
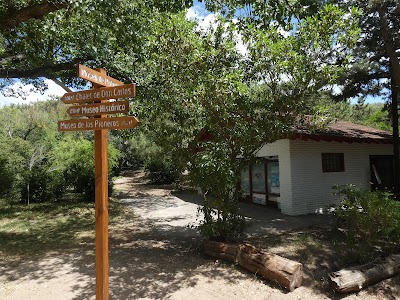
197 12
54 89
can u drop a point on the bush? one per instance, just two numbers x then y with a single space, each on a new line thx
12 166
161 171
44 184
6 179
76 159
371 220
227 227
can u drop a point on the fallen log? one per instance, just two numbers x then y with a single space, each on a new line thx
356 278
285 272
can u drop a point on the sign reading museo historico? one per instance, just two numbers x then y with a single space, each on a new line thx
121 91
116 107
97 124
97 77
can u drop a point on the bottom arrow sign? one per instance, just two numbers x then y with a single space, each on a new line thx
97 124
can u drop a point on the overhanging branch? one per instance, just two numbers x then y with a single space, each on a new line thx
61 84
45 71
15 17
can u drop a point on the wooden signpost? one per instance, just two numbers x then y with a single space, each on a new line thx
105 88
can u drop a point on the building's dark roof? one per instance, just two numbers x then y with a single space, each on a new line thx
343 131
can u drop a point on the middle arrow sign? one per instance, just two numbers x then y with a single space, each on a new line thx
107 108
121 91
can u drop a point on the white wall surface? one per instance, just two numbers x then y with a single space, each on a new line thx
304 187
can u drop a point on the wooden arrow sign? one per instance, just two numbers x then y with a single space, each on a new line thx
121 91
97 124
97 77
116 107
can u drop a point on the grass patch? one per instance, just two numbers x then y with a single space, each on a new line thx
46 227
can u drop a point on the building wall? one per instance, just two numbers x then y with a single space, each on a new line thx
304 188
311 188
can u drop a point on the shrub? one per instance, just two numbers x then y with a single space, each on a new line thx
6 179
44 184
12 166
221 226
76 159
161 170
216 172
371 220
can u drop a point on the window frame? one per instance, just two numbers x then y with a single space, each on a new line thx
332 162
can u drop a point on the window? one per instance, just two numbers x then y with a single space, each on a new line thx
260 182
332 162
273 177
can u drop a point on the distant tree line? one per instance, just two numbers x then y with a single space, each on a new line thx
38 163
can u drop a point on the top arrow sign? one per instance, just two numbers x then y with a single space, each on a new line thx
97 77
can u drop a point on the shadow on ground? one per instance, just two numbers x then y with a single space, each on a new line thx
154 255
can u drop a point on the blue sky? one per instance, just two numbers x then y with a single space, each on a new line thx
198 11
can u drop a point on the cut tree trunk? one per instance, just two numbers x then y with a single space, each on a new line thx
285 272
357 278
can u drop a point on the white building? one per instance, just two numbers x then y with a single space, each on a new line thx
297 174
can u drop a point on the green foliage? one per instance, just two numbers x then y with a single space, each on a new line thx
135 148
161 170
37 162
6 178
373 115
14 164
371 220
43 184
214 171
110 34
370 72
75 157
198 84
221 225
379 118
192 81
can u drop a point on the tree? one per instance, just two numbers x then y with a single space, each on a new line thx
212 108
376 68
47 39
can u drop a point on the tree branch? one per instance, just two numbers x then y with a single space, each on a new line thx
15 17
45 71
56 81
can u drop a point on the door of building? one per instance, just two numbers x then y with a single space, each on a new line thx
382 172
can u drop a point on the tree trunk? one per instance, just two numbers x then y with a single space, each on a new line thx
396 142
357 278
28 191
287 273
388 43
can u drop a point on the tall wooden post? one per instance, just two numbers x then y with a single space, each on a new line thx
101 208
105 88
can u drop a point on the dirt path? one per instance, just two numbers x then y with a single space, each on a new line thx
154 255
